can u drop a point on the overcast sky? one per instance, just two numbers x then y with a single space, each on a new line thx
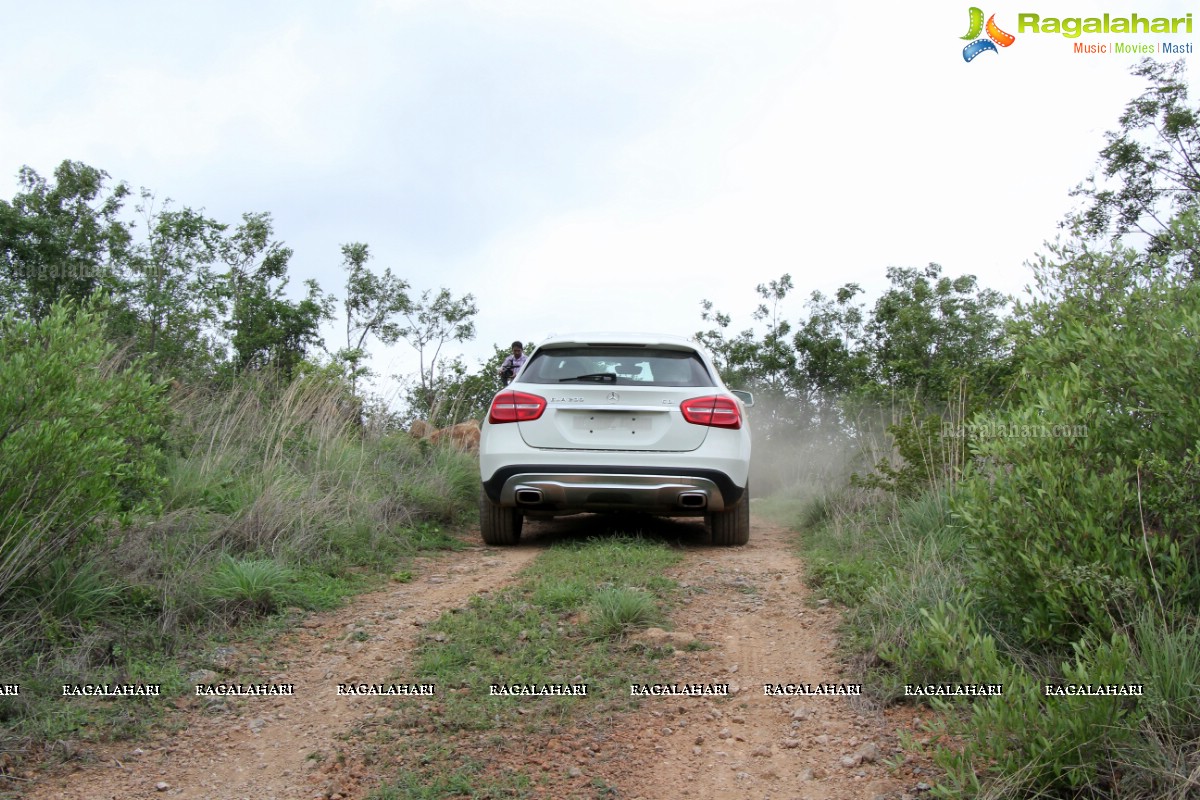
583 165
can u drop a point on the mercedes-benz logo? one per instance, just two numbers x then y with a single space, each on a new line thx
613 397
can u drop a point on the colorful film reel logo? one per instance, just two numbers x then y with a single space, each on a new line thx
995 36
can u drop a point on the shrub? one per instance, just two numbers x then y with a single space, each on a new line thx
1029 744
1078 524
79 437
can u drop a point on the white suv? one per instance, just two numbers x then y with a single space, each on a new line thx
616 422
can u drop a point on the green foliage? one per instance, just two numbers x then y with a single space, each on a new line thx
846 580
1148 169
293 478
169 307
60 240
1074 529
928 341
615 611
1161 759
257 585
931 455
923 620
1167 663
832 360
438 490
929 333
111 509
432 322
273 498
1039 744
458 393
926 334
891 562
1071 549
79 441
73 592
372 304
266 329
939 352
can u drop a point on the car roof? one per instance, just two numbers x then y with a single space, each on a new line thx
620 338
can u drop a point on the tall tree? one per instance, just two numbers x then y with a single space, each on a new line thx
928 331
266 329
373 305
432 322
61 239
175 288
1149 172
831 356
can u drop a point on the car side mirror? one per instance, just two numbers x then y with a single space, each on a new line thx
746 397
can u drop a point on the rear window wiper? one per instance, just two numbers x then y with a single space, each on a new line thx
599 377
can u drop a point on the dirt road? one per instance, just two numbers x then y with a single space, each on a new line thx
746 608
751 606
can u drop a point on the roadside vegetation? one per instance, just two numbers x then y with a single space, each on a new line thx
1007 492
139 523
179 454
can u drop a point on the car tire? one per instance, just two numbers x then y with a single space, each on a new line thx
732 526
498 525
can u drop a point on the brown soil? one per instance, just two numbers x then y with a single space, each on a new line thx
751 606
747 608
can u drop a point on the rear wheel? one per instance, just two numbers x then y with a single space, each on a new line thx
731 526
497 524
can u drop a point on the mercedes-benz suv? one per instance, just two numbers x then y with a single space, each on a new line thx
616 422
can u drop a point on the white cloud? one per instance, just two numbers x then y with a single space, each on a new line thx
584 165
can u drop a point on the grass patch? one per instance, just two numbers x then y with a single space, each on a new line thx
887 562
314 590
843 541
566 622
616 611
254 584
466 781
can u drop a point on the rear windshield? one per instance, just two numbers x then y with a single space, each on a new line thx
617 365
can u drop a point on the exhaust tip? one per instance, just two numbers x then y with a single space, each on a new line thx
529 496
693 500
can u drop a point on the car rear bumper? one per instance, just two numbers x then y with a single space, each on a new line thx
572 488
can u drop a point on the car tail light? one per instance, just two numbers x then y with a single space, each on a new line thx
715 410
516 407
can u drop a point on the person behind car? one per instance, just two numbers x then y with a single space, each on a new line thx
512 363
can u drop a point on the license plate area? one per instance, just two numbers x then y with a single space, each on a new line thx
610 424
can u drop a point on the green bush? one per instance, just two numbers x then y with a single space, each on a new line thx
79 437
1079 523
1028 743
